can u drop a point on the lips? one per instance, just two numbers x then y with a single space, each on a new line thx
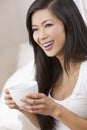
48 45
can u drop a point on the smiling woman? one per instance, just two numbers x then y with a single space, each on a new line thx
59 40
48 32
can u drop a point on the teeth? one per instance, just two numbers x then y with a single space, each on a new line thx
47 44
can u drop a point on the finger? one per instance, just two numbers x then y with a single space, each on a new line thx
8 102
7 91
34 109
30 110
36 95
7 96
34 101
12 106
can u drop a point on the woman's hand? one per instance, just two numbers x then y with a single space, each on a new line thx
39 104
9 101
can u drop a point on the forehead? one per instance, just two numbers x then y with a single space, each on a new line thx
42 15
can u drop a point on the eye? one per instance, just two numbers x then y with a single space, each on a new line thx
34 30
48 25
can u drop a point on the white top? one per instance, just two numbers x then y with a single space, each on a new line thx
77 102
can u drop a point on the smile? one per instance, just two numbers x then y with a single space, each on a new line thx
48 45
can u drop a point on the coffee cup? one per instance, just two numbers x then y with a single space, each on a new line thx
19 91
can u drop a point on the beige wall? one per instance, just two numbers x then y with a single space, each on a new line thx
13 37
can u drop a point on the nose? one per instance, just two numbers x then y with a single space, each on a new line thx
42 34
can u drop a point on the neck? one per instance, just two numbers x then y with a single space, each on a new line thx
72 65
61 60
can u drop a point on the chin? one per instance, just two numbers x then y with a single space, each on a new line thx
50 55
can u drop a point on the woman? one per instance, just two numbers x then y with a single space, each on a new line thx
58 35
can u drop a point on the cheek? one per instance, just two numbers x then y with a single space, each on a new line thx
56 32
35 38
59 35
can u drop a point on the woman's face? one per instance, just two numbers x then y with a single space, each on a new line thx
48 32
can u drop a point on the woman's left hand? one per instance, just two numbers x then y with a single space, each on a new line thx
39 104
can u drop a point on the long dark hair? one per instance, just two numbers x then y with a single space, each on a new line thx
48 69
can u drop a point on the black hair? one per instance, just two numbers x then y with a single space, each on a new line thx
48 69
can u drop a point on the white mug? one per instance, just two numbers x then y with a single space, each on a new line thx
19 91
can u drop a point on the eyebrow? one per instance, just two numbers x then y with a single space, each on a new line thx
43 22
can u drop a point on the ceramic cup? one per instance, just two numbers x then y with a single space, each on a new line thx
19 91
